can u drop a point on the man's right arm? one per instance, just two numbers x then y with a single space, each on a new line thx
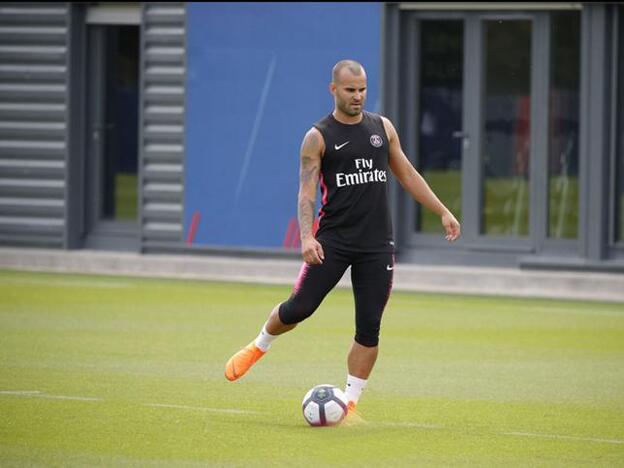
311 151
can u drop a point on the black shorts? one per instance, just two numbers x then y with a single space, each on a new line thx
371 277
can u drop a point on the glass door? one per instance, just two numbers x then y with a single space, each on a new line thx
470 124
490 117
113 123
505 131
439 123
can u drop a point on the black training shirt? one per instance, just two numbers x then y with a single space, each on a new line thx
354 184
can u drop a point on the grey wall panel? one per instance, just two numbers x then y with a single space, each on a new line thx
162 124
33 112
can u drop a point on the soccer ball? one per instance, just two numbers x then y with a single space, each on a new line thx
324 405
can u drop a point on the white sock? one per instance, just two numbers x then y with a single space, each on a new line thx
264 339
354 388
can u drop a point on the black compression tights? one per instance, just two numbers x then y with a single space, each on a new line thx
371 276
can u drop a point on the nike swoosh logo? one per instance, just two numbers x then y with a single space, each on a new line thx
337 147
389 268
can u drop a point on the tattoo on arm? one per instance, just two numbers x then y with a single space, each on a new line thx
308 172
306 217
308 179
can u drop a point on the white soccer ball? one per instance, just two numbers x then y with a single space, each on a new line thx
324 405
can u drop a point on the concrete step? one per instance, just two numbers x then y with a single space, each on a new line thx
408 277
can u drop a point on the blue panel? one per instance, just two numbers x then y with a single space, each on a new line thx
258 77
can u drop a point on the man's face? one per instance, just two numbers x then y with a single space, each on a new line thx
349 91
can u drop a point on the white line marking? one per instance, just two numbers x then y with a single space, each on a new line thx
66 397
19 392
556 436
200 408
409 424
516 434
52 282
38 394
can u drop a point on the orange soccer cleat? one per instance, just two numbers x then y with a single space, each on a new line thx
353 417
242 361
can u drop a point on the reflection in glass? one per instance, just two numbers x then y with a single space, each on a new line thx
506 143
120 197
563 137
440 114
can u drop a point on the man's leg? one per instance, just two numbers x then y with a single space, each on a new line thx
371 275
275 326
313 284
361 360
242 361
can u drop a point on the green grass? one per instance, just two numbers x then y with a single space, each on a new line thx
460 381
126 197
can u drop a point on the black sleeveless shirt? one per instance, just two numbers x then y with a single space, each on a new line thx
354 185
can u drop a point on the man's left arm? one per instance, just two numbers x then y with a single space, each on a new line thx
416 185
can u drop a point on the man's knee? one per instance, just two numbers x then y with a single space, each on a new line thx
368 339
294 311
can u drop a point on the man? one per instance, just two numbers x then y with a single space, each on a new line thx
349 153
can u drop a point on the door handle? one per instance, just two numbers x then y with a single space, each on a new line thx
464 136
98 128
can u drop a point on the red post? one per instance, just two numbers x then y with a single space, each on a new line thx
193 229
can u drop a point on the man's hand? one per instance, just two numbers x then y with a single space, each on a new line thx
312 251
451 226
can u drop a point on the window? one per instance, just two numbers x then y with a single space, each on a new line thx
506 145
619 137
441 96
563 135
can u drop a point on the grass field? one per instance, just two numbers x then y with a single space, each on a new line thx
107 371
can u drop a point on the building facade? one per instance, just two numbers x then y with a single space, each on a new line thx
175 127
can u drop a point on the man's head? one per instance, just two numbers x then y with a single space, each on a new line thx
348 86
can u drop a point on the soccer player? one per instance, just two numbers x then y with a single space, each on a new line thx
349 152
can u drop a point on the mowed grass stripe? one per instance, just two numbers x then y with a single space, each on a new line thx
359 422
460 380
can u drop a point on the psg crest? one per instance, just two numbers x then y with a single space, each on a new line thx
376 141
